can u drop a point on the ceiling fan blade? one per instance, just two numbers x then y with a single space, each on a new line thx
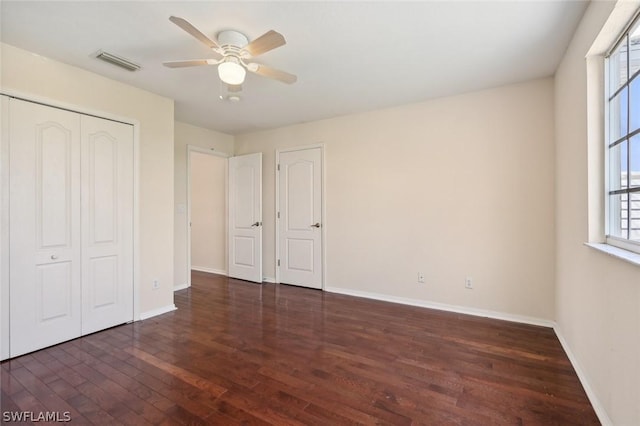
269 72
266 42
185 25
189 63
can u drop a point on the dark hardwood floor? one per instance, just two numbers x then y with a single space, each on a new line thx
236 352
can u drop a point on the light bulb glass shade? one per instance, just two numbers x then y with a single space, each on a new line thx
231 72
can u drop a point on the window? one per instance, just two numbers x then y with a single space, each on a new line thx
623 141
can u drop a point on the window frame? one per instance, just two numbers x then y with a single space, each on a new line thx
619 241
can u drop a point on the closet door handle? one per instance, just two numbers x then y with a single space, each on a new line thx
54 256
257 224
316 225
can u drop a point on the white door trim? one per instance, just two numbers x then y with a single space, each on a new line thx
4 229
323 234
4 254
207 151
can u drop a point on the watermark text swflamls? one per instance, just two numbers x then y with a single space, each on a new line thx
33 416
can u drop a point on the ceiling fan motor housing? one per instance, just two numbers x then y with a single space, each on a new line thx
231 38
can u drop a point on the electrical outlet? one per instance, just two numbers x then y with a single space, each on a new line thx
420 277
155 284
468 282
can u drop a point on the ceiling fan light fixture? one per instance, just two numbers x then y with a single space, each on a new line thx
231 72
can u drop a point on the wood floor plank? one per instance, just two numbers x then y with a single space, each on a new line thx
42 392
10 385
180 373
242 353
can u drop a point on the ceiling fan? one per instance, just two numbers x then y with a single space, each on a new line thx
232 51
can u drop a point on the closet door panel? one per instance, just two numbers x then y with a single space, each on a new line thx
107 229
44 233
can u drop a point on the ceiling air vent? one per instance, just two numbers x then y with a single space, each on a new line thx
117 60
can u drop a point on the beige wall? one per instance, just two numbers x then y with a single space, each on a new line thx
186 134
208 213
454 187
597 296
37 76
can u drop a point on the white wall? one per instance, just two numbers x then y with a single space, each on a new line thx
453 187
186 134
37 76
597 296
208 213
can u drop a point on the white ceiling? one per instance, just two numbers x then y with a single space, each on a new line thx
349 56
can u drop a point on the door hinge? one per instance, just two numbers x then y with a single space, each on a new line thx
278 167
278 215
278 262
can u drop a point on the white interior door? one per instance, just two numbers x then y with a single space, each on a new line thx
300 213
107 223
245 217
44 214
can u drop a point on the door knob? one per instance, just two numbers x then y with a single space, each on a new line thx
316 225
54 256
257 224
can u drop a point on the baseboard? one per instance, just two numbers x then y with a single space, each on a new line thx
444 307
595 402
209 270
181 287
155 312
270 280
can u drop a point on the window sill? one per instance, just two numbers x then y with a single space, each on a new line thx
626 255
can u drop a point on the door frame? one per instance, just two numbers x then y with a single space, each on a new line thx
207 151
4 203
4 230
323 233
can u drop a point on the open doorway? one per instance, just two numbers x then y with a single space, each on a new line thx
207 212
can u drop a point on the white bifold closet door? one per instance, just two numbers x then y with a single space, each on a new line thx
71 225
44 232
107 223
